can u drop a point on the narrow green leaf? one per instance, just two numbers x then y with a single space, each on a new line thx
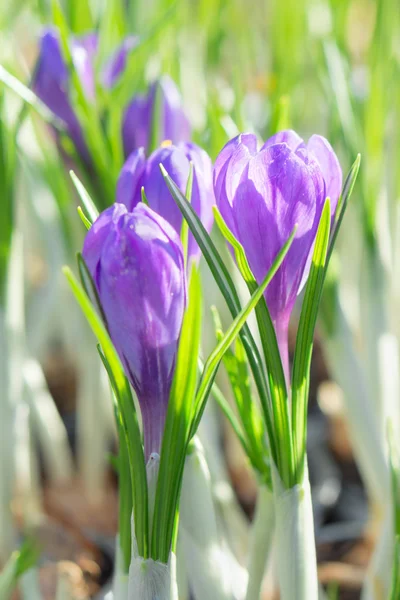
84 218
80 16
226 285
277 416
91 211
213 361
343 202
19 563
305 339
124 464
177 427
185 228
89 287
31 99
144 197
253 427
123 393
395 589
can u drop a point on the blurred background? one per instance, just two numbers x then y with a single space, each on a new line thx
317 66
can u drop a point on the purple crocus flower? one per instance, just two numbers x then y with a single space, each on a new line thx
139 172
139 115
51 78
136 261
262 194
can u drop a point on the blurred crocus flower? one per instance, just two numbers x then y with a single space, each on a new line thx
140 172
162 102
51 78
262 194
136 261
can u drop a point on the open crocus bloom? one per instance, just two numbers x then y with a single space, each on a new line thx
262 194
136 262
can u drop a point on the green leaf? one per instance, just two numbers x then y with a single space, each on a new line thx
225 284
84 218
31 99
121 388
124 466
343 202
305 339
8 148
91 211
80 16
252 429
177 426
19 563
395 589
213 361
394 463
277 416
185 228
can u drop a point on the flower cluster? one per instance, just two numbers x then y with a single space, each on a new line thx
51 83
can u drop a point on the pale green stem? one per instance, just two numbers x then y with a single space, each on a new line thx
261 538
295 543
212 570
120 578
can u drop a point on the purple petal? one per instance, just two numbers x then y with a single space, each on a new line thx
128 190
50 83
177 166
84 51
287 136
262 197
139 114
328 162
136 260
117 64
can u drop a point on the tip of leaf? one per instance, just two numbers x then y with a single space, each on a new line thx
163 170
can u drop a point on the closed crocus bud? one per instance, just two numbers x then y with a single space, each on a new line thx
139 117
136 262
139 172
262 194
51 78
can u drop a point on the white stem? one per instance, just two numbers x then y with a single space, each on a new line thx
261 538
234 521
93 426
27 469
212 571
50 429
378 579
347 370
120 578
295 543
29 585
152 580
12 355
7 443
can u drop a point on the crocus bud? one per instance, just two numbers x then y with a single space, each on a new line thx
139 172
136 262
140 115
51 78
262 194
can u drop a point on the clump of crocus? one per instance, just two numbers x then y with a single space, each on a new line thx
160 108
262 194
51 80
136 262
140 172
